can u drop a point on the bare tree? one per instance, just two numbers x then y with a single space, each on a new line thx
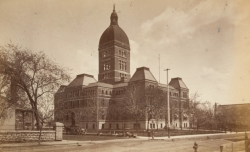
202 113
133 102
45 112
34 73
156 105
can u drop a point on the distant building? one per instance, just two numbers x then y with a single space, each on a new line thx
233 115
114 79
18 119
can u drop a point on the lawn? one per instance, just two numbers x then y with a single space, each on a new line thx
90 137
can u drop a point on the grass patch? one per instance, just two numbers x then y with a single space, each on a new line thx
90 137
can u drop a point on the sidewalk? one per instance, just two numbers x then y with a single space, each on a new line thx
72 142
63 142
193 136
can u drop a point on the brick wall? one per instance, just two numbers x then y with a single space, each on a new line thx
17 136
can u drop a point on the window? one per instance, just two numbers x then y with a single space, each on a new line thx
102 126
93 126
117 126
103 103
102 116
67 117
76 104
110 126
87 126
161 125
120 64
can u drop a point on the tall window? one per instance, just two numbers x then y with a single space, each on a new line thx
103 103
106 65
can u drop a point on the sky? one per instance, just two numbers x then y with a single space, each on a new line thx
205 42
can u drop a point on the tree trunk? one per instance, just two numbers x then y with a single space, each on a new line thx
136 125
37 121
197 124
40 133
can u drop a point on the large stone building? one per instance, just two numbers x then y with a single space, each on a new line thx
87 102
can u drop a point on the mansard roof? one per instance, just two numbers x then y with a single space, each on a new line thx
177 83
82 80
143 73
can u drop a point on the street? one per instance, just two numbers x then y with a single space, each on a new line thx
205 144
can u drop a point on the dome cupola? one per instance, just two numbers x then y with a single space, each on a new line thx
114 17
114 53
114 32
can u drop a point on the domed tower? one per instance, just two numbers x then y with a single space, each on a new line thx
114 53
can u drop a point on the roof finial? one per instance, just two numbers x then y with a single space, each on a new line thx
114 7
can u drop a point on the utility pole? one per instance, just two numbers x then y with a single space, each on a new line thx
168 103
159 68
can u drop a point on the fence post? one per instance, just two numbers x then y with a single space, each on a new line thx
59 131
246 142
221 148
232 147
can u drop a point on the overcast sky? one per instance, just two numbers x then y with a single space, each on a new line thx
205 42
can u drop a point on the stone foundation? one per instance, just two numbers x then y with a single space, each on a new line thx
30 135
20 136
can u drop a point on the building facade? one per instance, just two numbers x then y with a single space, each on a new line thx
87 102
